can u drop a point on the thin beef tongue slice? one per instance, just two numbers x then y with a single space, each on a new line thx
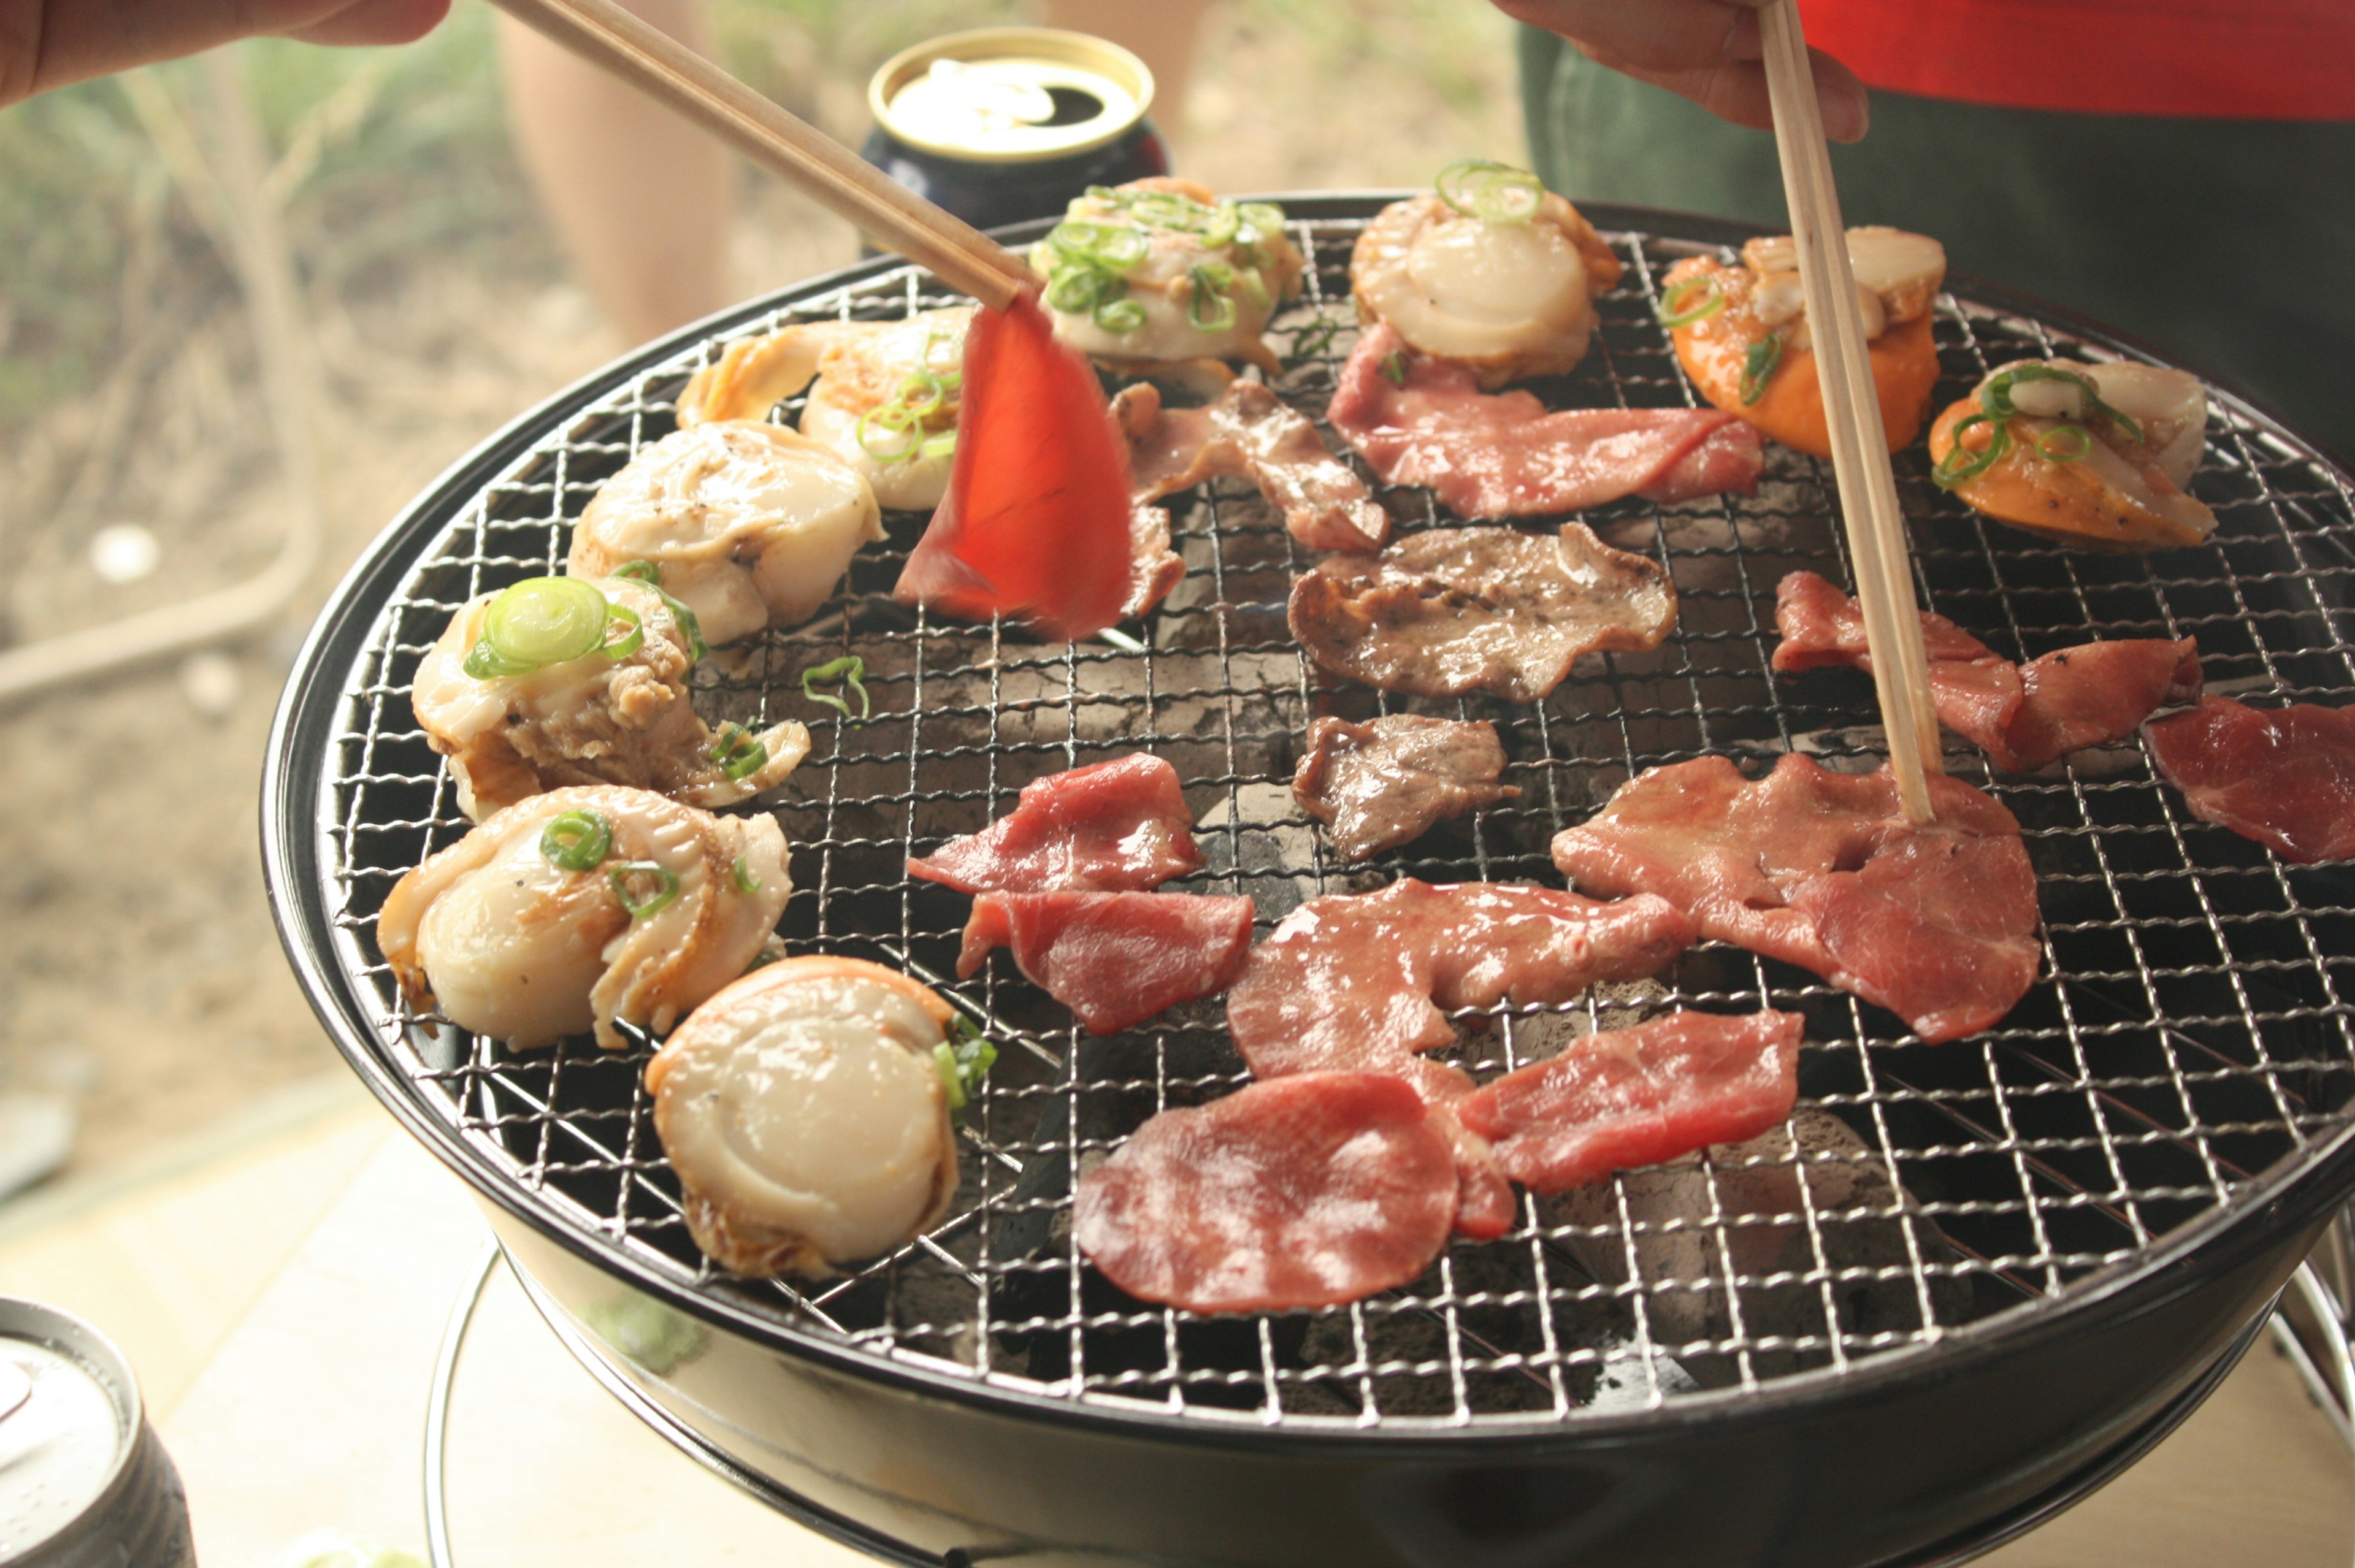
2281 776
1384 782
1116 826
1309 1191
1114 959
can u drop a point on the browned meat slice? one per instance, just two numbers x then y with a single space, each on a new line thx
1385 782
1450 611
1249 433
1154 568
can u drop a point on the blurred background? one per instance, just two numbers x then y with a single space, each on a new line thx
142 993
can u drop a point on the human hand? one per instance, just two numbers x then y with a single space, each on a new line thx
1707 50
51 43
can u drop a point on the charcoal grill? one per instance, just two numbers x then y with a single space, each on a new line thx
1991 1273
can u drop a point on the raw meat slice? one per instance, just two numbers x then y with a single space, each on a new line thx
1821 869
1449 611
2024 717
1114 959
2281 776
1421 421
1629 1097
1117 827
1385 782
1311 1191
1249 434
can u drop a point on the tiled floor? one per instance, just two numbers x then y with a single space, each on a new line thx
282 1287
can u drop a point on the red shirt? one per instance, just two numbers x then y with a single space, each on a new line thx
2244 59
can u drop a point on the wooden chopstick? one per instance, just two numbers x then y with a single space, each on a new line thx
894 216
1867 488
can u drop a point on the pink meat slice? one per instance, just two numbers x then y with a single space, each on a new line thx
1821 869
1250 433
1629 1097
1117 827
1308 1191
1426 422
1114 959
2281 776
2024 717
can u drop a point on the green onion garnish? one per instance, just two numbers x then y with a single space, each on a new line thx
961 1060
1490 191
896 424
632 640
538 621
1114 246
2073 440
1961 462
576 841
849 669
690 629
746 882
1209 305
1758 366
1121 316
1393 366
1995 398
646 572
628 872
1676 308
739 753
1079 287
1312 342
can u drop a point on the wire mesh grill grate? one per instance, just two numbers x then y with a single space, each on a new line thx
2190 1036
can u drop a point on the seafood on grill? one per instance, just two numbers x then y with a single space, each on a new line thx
581 909
747 525
1742 334
1937 923
572 680
883 395
1249 433
2283 777
1422 421
1619 1099
805 1111
2024 717
1117 958
1307 1192
1115 827
1161 271
1386 781
1494 274
2096 455
1450 611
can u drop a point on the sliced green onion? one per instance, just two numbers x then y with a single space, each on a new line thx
1078 288
537 623
1675 306
690 629
628 872
2075 442
849 669
1758 367
632 640
576 841
739 753
1995 398
1263 215
1211 282
746 882
1961 462
1121 318
892 422
1490 191
1115 245
1393 366
962 1059
1312 342
646 572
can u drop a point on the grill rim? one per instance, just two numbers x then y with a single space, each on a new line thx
2291 1194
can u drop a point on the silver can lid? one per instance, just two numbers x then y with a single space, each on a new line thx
1011 95
69 1413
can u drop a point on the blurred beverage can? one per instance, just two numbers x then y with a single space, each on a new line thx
84 1483
1007 124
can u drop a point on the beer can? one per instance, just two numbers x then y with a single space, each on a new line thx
1001 124
84 1482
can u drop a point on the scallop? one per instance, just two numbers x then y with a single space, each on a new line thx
1898 275
806 1116
1511 299
592 719
750 525
516 933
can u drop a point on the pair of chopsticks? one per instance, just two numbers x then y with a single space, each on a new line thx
1868 488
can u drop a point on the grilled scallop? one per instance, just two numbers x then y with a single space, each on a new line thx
1742 334
583 908
748 525
806 1115
2099 456
884 396
1511 294
516 724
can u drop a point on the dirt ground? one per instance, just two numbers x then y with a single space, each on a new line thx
140 975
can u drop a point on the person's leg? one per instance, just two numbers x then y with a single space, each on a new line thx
641 199
1161 34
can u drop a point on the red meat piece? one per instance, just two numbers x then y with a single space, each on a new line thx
1120 825
1114 959
2281 776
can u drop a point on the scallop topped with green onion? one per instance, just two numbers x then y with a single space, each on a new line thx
576 681
884 396
751 525
2087 454
581 909
1160 271
1494 271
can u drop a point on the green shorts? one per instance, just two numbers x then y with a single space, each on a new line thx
2228 244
